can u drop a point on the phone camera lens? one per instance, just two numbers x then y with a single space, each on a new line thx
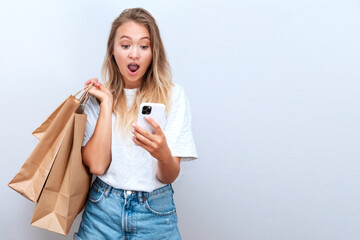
146 110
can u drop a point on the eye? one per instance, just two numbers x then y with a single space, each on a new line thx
144 47
125 46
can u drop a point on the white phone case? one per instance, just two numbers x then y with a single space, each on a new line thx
157 113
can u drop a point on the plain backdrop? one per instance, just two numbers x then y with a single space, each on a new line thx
274 89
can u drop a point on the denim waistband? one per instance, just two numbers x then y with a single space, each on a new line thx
109 189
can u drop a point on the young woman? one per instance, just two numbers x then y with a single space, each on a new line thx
132 196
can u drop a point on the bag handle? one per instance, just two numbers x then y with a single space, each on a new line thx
83 98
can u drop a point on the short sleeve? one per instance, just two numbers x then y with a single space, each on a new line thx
92 110
178 128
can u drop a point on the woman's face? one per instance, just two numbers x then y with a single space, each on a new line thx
132 52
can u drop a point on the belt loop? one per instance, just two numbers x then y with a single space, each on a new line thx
107 191
140 197
125 194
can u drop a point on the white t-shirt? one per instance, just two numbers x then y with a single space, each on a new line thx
132 167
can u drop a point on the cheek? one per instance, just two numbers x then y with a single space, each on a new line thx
148 58
120 60
119 55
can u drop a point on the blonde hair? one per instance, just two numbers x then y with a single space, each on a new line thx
156 84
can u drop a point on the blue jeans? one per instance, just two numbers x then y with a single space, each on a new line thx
112 213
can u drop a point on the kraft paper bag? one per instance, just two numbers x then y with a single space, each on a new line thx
40 131
66 188
31 178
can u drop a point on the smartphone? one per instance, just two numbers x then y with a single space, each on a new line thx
154 110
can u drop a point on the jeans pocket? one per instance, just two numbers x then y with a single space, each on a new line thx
161 205
96 193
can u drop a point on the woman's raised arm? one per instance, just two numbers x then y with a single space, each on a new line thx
96 154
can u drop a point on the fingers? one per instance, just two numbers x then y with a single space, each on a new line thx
143 132
91 81
154 124
141 137
155 144
94 81
144 141
141 144
146 137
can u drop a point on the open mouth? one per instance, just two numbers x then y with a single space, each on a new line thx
133 67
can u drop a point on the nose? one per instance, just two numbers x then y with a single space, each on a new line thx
134 53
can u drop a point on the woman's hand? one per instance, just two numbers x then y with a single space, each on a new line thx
100 92
168 166
155 143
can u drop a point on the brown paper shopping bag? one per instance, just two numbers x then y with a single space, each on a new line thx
32 175
66 188
40 131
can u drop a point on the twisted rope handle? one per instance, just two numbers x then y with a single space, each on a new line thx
83 98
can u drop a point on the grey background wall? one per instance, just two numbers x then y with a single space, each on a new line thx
274 88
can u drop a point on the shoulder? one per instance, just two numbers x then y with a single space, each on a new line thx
177 87
179 101
178 92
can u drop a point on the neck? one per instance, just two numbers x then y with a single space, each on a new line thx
132 85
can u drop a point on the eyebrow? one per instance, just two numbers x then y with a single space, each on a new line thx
131 38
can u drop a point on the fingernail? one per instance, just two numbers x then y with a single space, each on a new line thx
133 130
146 117
134 125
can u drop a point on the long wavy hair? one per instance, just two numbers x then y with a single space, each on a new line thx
157 81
